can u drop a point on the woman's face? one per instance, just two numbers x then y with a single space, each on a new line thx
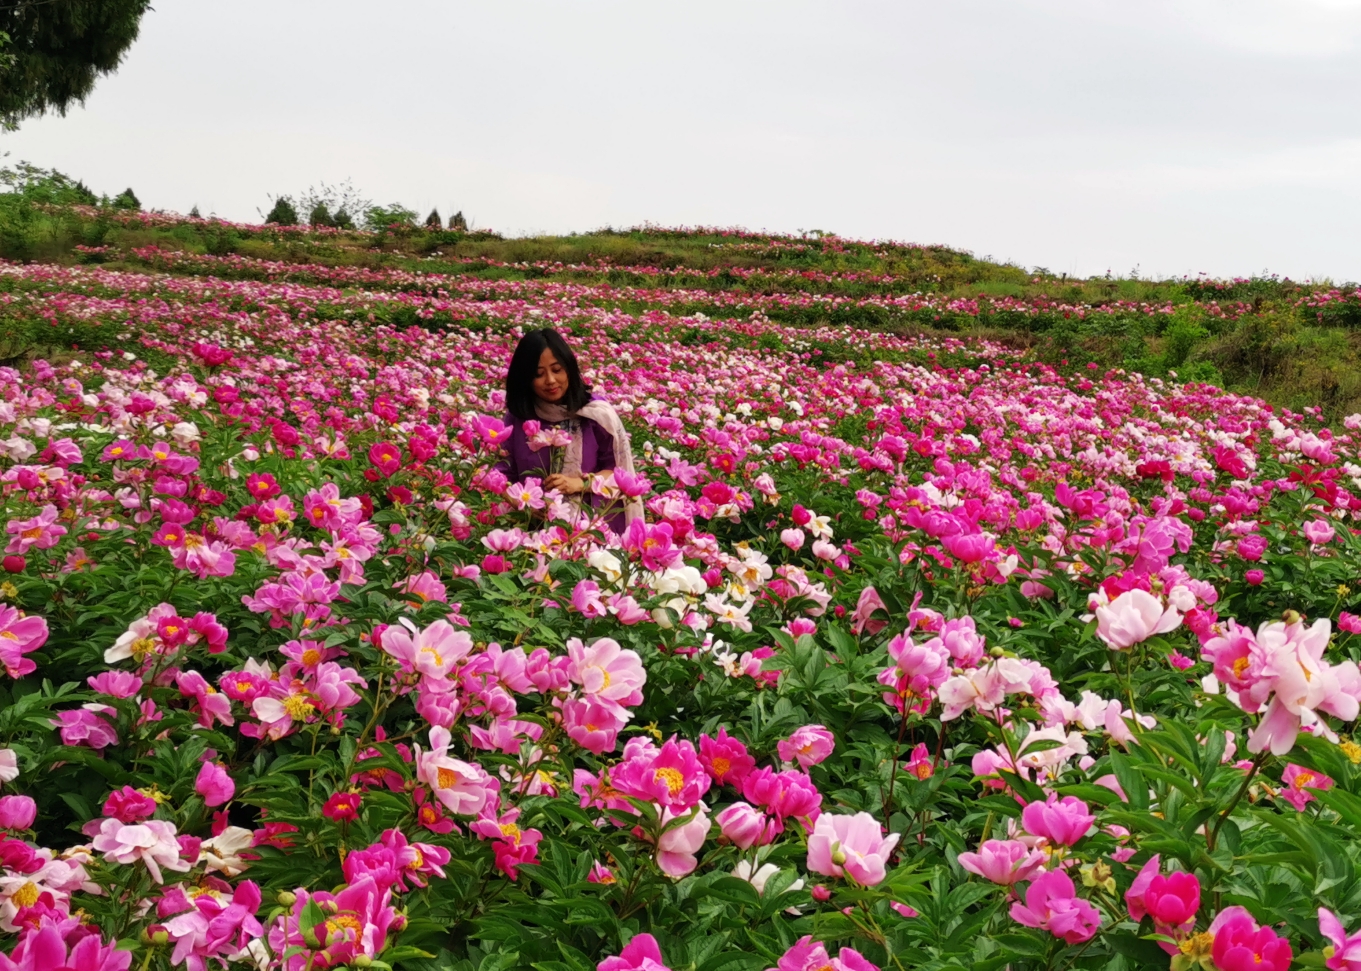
550 384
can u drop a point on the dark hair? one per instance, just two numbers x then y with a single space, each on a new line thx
524 368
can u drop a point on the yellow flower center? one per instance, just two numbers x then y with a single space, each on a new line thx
311 657
32 533
446 778
439 659
1199 945
511 832
9 635
344 922
721 766
27 895
298 707
1240 665
604 678
675 782
142 647
192 542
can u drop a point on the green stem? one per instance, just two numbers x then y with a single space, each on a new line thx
1247 781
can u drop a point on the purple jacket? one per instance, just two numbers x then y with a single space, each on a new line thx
597 455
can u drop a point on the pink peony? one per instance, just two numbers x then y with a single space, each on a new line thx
1241 945
805 955
744 826
1319 531
725 758
83 726
1132 618
1172 900
850 846
1003 861
1296 781
863 620
641 954
151 842
1346 949
1060 821
129 805
608 674
42 531
670 776
808 745
1051 904
214 784
431 652
593 726
679 843
17 812
462 787
20 635
45 949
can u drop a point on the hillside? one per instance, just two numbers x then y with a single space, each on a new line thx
1296 345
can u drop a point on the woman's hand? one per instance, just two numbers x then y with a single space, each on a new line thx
568 485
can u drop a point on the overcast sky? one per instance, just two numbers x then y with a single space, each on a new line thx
1178 136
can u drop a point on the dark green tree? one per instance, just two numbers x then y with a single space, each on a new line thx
58 49
457 222
342 219
321 216
283 213
433 220
127 199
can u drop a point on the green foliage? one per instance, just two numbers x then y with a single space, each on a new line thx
283 213
127 199
393 215
56 50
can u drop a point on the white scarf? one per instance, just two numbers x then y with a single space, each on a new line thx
603 415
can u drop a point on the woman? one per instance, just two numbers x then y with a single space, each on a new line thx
544 386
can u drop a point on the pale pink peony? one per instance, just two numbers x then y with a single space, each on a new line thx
808 745
152 842
678 845
608 674
1132 618
431 652
461 786
1346 949
1003 861
850 846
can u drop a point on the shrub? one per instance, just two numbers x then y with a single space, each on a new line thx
283 213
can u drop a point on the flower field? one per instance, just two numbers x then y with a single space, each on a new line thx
928 654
